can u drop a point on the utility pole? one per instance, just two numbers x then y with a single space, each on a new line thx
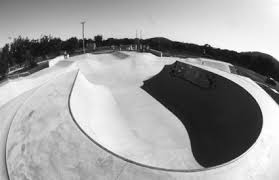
140 41
10 38
137 41
83 45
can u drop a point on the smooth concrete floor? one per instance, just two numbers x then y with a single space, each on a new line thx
45 143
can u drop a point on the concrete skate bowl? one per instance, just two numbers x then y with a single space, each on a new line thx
41 140
222 119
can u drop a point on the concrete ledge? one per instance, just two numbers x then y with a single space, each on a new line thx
156 52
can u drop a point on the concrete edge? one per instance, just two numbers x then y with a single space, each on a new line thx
36 89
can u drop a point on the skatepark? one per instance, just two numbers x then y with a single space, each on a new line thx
129 115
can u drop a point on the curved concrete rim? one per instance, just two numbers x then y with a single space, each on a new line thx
154 167
36 89
22 104
9 127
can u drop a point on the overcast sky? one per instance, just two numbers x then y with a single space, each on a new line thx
242 25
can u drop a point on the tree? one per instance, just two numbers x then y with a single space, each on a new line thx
4 60
29 59
19 48
21 52
70 45
49 46
98 39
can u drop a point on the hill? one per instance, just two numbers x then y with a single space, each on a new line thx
259 62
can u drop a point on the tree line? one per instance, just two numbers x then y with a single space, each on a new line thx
23 51
27 52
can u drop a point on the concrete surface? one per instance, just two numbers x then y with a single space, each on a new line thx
14 88
56 60
7 113
141 130
45 143
223 66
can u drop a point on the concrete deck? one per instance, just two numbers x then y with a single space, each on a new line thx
44 142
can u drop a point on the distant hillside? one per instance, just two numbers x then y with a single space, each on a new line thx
261 63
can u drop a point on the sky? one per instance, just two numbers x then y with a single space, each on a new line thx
241 25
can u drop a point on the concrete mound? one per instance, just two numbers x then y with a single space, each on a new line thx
157 142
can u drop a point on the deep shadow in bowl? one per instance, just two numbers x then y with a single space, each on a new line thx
222 119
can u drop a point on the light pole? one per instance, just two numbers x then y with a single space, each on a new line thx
10 44
83 45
